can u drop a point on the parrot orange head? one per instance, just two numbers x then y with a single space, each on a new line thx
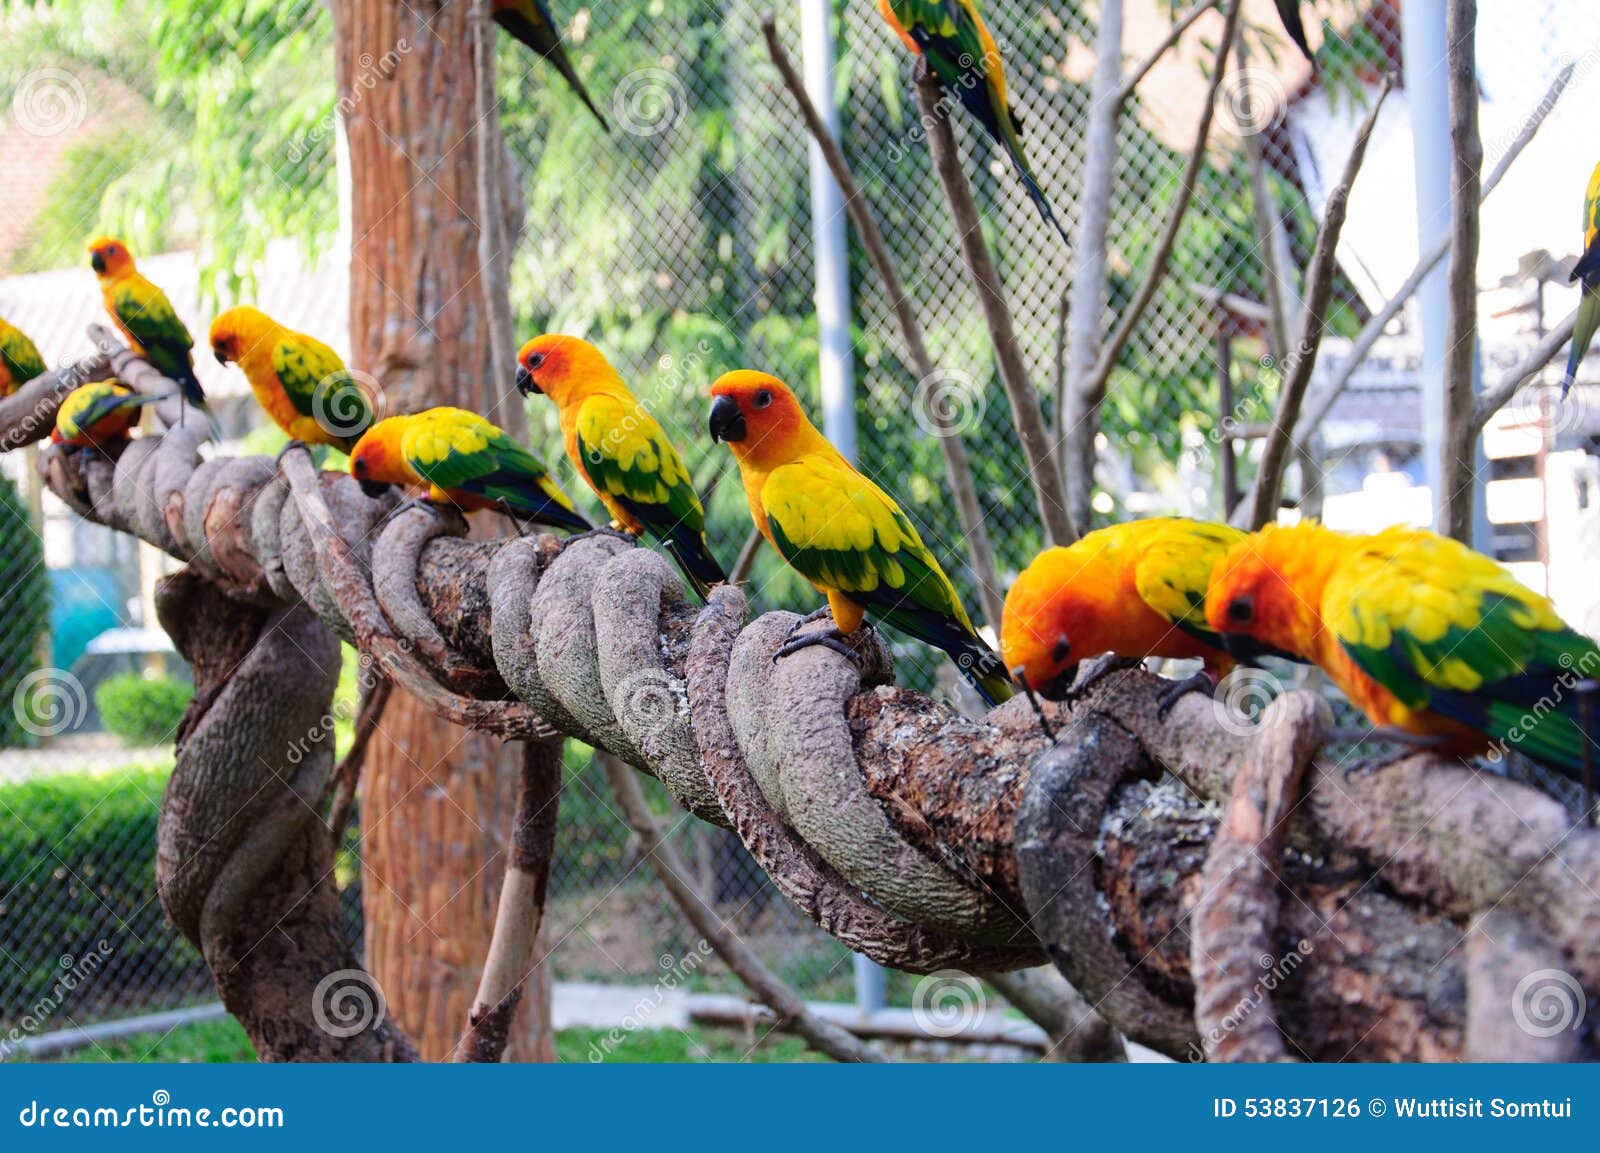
1266 593
760 419
236 331
564 368
1052 621
110 258
376 461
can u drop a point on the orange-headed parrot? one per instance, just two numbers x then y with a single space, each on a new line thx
146 317
840 531
99 414
621 450
462 460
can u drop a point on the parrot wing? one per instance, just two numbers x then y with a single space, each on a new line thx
1446 629
473 456
1587 270
1174 571
841 532
626 455
86 407
20 356
148 316
319 386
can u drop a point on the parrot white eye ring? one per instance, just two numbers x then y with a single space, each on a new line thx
763 399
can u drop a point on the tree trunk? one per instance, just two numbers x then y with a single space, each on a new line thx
437 799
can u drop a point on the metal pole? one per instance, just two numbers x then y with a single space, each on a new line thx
836 366
1226 420
1427 95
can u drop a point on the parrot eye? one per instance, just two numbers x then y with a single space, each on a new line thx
536 361
1062 650
1241 611
359 466
763 399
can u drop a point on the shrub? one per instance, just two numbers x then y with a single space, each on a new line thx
142 710
27 587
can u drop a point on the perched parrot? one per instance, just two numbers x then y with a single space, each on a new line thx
1136 590
530 22
1586 270
146 317
463 460
97 415
1424 635
839 530
952 39
300 381
20 361
1289 13
620 449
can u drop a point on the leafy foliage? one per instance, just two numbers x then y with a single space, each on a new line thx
142 711
27 585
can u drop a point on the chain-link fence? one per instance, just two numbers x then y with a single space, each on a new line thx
682 244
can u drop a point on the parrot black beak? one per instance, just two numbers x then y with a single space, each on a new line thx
1056 688
1243 648
374 489
526 385
220 355
97 262
727 422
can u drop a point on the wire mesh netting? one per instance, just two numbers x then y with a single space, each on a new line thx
682 244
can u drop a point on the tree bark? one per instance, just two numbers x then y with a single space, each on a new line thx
435 796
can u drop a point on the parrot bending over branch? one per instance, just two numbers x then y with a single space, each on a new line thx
621 451
1586 271
1424 635
300 382
464 461
840 531
530 22
20 361
146 317
98 415
950 37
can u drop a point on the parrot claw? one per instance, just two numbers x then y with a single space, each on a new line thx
831 639
811 618
1200 682
287 449
1096 671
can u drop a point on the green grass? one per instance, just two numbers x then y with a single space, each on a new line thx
225 1041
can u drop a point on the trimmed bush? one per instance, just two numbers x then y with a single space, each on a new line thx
142 710
27 585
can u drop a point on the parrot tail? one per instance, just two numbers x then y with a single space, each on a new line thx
1582 333
536 507
979 664
1001 125
1289 13
690 553
547 43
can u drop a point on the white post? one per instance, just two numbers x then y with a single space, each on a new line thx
837 363
1427 96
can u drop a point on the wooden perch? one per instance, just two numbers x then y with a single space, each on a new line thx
1262 506
1026 415
974 529
1492 400
1321 403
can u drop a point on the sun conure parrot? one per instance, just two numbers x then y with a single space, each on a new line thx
530 22
1136 590
1587 270
621 450
301 382
99 414
462 460
1289 14
146 317
1424 635
20 361
840 531
952 39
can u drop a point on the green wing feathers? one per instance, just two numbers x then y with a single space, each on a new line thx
19 355
303 366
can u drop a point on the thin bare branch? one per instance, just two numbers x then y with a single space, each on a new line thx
1302 359
1026 415
1138 72
1492 400
1318 407
1457 471
347 773
974 529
